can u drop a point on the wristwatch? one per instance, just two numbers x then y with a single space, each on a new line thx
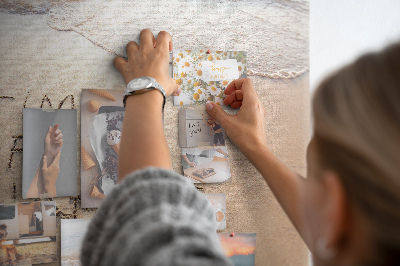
142 85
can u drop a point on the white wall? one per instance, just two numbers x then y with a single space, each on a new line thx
341 30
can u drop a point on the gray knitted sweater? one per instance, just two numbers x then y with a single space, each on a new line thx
153 217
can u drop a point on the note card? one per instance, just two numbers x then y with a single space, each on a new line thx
204 76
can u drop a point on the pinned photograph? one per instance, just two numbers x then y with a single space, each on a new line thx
239 247
72 234
28 233
218 201
9 220
204 75
49 153
198 128
102 114
9 231
206 165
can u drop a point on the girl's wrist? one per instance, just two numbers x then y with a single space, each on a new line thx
50 189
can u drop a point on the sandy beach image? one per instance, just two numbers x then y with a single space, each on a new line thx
32 253
72 234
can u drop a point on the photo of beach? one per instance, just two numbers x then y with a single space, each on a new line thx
239 247
72 234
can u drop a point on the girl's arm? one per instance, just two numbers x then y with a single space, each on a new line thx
143 141
205 122
246 130
36 186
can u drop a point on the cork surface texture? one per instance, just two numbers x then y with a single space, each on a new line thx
47 68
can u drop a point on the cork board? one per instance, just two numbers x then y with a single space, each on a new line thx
49 55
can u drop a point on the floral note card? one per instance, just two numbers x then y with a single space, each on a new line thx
203 75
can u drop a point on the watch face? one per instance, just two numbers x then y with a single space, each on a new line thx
140 83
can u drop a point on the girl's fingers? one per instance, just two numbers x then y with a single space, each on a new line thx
233 86
164 41
147 40
177 92
59 142
234 97
59 136
236 105
54 129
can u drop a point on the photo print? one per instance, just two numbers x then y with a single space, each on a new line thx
239 247
28 233
218 201
9 218
72 234
203 75
206 165
102 114
198 128
49 153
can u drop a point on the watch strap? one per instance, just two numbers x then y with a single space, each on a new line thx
153 86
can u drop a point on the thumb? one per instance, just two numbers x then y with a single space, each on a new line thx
217 112
49 131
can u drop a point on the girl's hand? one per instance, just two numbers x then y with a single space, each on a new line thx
246 129
53 142
149 59
50 174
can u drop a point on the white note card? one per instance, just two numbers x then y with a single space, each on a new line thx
218 70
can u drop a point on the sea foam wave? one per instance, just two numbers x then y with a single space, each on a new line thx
274 33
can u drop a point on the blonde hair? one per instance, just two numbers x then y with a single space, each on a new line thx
357 134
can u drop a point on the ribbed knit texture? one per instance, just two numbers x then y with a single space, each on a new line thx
154 217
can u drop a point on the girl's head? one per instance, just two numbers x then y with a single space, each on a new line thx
352 193
210 122
3 226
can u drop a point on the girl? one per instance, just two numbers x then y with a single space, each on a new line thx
347 209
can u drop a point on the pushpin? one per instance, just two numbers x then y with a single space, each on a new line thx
232 234
208 51
199 188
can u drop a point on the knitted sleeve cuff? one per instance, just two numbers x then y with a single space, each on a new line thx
153 217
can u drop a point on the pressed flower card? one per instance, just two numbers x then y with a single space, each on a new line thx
203 75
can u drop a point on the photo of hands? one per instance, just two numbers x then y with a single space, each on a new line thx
49 153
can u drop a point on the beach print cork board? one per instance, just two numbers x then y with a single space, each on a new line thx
64 46
204 74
